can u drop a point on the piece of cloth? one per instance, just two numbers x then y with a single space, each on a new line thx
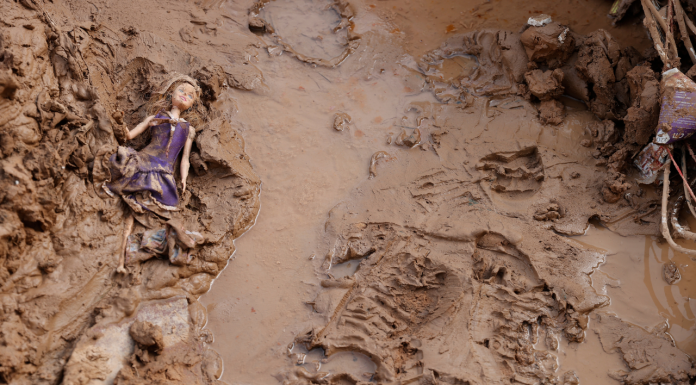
145 178
154 241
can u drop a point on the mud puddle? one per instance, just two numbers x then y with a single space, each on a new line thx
632 276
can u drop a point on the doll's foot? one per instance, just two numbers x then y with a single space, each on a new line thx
121 270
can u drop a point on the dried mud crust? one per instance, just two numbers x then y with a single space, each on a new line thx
343 8
65 315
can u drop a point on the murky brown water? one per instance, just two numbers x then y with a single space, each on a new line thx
259 303
632 278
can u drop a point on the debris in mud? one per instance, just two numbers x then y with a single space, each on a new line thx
409 139
461 272
677 121
341 121
375 158
649 161
539 20
670 272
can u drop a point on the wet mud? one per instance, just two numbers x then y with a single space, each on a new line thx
448 197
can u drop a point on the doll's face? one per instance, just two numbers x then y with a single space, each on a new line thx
183 96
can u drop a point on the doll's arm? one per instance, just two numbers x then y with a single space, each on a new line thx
185 160
140 128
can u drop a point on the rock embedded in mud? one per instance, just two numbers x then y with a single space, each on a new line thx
341 121
545 85
551 112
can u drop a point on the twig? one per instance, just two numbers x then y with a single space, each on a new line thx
693 156
670 17
679 230
663 222
648 6
649 22
681 16
690 24
686 185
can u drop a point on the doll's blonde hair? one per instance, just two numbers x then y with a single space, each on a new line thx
161 100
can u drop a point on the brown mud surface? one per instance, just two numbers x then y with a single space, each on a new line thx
439 195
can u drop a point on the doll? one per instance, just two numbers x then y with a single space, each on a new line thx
145 179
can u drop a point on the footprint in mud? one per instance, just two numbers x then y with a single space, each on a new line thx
480 303
514 172
497 262
436 188
314 31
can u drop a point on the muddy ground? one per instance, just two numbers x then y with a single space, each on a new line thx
439 194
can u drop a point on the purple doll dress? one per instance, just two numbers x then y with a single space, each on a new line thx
145 178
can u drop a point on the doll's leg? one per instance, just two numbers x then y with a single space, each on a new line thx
122 257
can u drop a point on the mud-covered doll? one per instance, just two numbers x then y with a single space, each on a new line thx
145 179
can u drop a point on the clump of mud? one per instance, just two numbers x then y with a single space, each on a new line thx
66 90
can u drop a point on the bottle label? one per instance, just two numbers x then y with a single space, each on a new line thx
677 120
